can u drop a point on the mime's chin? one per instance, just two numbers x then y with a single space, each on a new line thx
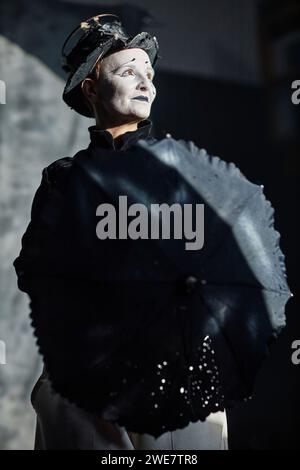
142 115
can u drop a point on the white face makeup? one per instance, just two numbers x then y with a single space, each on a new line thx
125 89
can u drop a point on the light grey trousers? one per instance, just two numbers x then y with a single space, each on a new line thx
61 425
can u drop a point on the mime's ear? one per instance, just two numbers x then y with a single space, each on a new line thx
88 89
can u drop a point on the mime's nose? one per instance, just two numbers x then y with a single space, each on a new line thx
143 86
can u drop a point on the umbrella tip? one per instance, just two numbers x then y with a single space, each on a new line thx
292 295
262 186
168 135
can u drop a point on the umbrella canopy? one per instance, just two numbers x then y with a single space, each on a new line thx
145 332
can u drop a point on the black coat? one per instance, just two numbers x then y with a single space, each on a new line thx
51 191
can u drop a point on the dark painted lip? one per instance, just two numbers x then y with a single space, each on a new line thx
141 98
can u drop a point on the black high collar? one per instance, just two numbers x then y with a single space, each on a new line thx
103 138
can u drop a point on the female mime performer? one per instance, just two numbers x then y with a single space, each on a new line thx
111 80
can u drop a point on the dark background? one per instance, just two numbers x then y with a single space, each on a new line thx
224 82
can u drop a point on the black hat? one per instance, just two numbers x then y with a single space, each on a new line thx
93 39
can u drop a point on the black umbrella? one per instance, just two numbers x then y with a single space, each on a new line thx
144 332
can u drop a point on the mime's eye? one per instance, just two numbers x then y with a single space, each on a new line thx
128 70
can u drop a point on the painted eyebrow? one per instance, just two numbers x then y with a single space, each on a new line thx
146 62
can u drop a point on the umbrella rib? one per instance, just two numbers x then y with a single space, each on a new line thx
245 284
230 227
